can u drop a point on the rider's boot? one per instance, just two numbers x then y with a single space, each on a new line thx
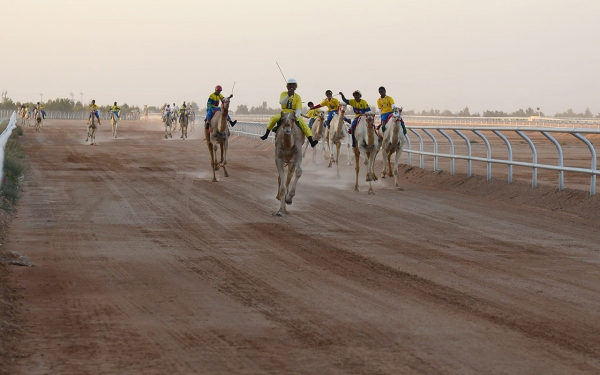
264 137
232 123
313 143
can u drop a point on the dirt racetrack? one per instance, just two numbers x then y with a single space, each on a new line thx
145 266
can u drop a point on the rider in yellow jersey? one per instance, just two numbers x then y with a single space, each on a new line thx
291 103
360 106
332 105
116 110
94 110
312 114
386 105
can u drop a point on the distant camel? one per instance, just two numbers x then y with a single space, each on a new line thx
183 123
317 130
39 119
216 135
168 123
367 145
91 129
114 122
288 149
393 141
337 133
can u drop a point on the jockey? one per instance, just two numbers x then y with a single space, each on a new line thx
332 105
167 111
313 114
360 106
291 103
116 110
212 105
175 109
183 111
386 105
94 110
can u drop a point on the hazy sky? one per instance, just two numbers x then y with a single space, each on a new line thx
484 54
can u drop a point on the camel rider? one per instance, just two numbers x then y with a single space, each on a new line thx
212 105
116 110
312 114
183 111
43 112
332 105
386 106
291 103
359 106
167 111
175 109
94 111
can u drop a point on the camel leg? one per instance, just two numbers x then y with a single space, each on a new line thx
224 147
338 148
297 174
212 154
304 152
314 158
331 146
371 171
215 149
356 167
281 192
348 147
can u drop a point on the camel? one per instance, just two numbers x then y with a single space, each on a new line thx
167 121
183 123
22 114
91 129
367 145
39 119
337 132
393 142
216 135
192 120
288 149
317 130
114 122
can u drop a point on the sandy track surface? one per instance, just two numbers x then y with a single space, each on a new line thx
145 266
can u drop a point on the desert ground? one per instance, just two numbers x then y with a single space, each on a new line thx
142 265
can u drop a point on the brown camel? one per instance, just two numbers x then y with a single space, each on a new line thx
367 145
216 135
317 129
288 150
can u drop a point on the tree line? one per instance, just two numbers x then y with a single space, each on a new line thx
68 105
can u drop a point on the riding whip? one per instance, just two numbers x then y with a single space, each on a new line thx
281 71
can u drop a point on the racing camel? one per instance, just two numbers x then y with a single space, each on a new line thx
114 122
288 150
367 145
337 133
317 129
91 129
393 142
217 134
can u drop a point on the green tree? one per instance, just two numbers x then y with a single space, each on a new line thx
242 109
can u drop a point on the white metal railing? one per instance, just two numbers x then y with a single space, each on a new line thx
67 115
475 121
12 124
255 130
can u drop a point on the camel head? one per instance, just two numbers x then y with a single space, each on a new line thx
288 120
370 118
397 112
342 109
225 103
322 115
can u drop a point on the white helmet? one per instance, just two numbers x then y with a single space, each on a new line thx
292 80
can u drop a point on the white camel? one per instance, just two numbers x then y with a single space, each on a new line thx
337 133
288 150
393 142
367 145
115 121
183 123
317 130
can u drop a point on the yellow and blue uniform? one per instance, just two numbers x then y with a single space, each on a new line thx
360 107
312 114
212 105
94 110
115 109
332 107
290 106
386 105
